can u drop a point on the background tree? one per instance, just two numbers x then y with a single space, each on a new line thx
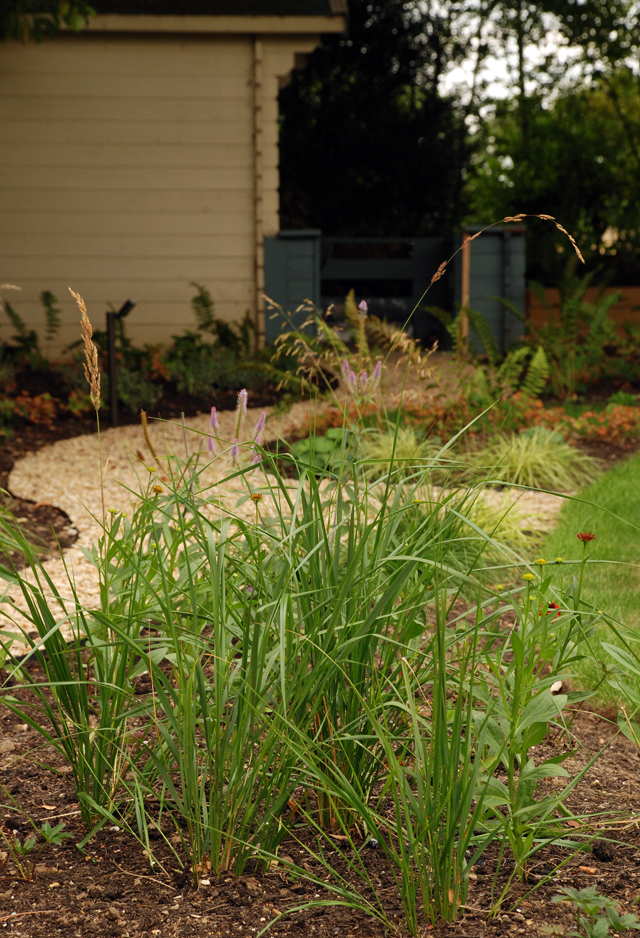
563 138
579 161
368 146
25 19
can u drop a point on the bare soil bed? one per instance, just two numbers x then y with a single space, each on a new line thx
110 889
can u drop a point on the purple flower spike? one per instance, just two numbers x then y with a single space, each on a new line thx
352 379
257 433
346 368
235 451
377 371
213 420
210 445
363 309
255 457
241 410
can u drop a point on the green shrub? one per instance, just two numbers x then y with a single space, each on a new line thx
23 348
198 367
7 411
576 342
623 398
137 391
328 453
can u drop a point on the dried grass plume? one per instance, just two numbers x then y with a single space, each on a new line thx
91 369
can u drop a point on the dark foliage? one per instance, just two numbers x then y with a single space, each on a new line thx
25 19
367 146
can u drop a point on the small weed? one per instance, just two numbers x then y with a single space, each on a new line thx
24 853
596 915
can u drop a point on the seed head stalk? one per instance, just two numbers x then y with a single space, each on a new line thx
92 374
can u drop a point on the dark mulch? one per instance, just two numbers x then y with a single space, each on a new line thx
609 453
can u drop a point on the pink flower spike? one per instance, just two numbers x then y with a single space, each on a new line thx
352 379
377 371
345 368
363 309
255 457
241 410
257 433
235 451
210 445
213 420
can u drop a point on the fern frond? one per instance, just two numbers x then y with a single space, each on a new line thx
447 320
513 309
357 323
52 313
351 310
16 321
203 308
537 374
379 333
246 332
482 329
511 369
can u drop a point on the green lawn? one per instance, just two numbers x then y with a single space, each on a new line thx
613 583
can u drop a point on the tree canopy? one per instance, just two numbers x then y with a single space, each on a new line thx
367 144
580 161
27 19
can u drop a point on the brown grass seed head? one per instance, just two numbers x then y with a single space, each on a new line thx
91 369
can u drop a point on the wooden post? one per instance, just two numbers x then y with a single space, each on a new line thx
466 279
113 362
258 192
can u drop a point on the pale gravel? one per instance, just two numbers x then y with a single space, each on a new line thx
67 475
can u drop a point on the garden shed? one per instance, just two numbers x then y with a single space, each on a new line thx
141 154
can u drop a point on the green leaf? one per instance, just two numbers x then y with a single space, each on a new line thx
532 772
534 735
542 708
495 793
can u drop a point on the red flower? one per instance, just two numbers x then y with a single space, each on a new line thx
551 608
586 536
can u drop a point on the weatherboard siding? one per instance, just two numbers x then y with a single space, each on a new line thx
127 170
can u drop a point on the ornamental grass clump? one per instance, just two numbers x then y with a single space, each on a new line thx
538 458
331 656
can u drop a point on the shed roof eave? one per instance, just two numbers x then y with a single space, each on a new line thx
246 24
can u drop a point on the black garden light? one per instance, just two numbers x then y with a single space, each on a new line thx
124 310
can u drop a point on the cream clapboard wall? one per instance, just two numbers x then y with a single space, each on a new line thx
128 169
